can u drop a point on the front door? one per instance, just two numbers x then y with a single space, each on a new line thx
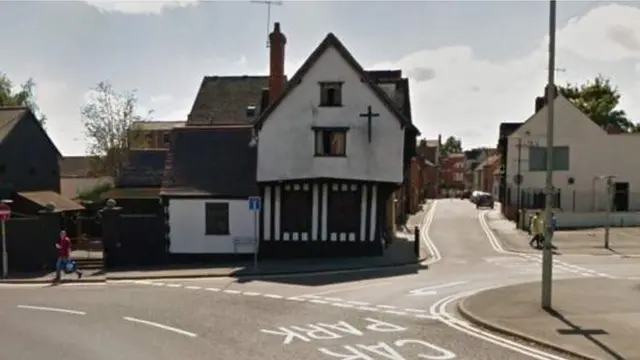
296 212
621 196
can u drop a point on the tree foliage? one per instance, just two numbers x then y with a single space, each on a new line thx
599 100
109 119
23 97
452 145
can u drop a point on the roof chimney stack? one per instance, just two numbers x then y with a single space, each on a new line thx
277 42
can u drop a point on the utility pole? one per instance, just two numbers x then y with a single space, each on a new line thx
438 166
518 178
268 3
547 253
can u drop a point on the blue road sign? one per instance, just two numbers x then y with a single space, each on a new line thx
255 203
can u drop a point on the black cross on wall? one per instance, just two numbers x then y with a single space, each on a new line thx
369 115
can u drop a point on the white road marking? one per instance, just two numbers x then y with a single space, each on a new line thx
362 303
438 310
386 306
193 287
44 308
212 289
251 293
231 291
317 301
497 246
174 285
426 239
160 326
331 291
342 305
430 290
273 296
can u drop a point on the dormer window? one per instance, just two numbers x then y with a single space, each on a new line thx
331 94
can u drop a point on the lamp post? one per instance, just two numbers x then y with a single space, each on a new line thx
607 227
547 253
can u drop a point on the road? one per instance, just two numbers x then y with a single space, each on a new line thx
387 314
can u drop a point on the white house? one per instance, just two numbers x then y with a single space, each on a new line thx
209 176
583 152
331 150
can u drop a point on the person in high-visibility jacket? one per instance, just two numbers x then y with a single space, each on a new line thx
537 228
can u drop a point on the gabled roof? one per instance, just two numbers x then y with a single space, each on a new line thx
332 41
223 100
10 116
143 168
211 161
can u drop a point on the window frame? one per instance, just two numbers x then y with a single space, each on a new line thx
216 208
540 164
166 138
328 131
325 86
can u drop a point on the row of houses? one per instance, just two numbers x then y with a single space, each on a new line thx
331 153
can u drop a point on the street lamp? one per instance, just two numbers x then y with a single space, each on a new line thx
547 252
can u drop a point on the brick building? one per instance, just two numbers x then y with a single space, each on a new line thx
453 172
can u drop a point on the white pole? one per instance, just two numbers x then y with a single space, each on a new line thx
609 203
547 254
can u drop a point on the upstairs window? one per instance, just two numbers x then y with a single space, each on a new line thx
330 94
331 141
166 139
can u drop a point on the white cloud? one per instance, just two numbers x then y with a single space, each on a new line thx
140 7
467 96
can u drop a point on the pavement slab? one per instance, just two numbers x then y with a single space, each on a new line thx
594 318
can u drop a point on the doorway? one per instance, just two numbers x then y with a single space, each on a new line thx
621 196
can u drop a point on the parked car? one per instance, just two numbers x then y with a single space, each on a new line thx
474 196
465 194
484 200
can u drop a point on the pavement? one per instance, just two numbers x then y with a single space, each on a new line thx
622 241
601 324
397 313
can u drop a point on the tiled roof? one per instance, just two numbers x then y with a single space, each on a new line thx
223 100
212 160
143 168
9 117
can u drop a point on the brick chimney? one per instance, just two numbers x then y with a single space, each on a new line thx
277 42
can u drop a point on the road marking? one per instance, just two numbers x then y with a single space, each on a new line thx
347 289
424 234
497 246
430 290
44 308
193 287
160 326
361 303
438 310
251 293
174 285
367 308
386 306
231 291
273 296
212 289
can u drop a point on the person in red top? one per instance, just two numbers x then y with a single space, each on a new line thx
64 253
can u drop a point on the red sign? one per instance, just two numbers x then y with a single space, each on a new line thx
5 212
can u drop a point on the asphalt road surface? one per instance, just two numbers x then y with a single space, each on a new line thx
388 314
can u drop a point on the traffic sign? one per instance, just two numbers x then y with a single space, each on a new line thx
5 212
255 203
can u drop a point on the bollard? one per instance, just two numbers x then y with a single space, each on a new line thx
416 241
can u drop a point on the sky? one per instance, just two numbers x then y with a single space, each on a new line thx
471 64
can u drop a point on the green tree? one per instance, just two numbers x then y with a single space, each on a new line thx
452 145
23 97
109 118
599 100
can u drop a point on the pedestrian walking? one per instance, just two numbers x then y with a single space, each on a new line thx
64 262
536 230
